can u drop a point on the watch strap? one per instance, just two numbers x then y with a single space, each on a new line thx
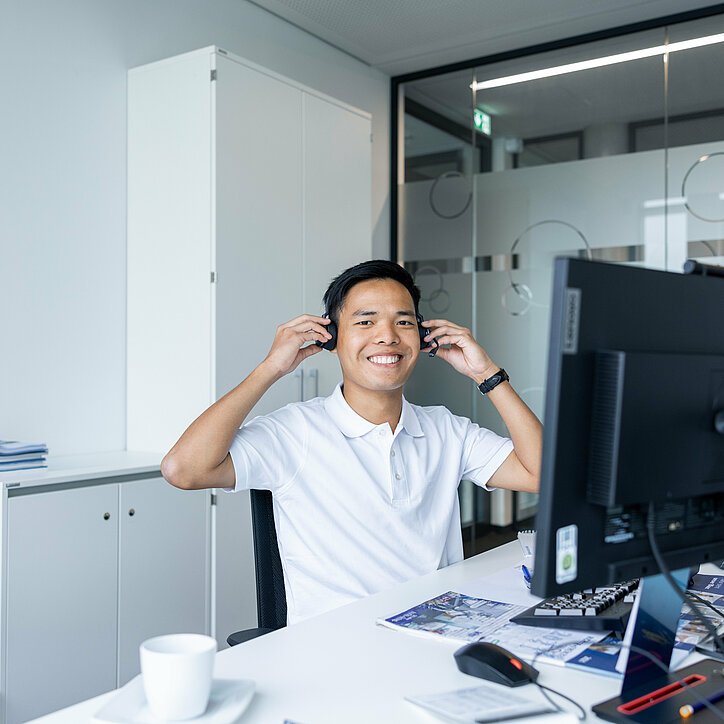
493 381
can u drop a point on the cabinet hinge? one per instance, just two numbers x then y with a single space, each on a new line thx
213 277
213 74
371 138
213 498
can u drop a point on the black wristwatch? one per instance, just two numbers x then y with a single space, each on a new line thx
486 385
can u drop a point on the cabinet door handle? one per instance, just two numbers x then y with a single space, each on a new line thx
132 512
314 374
106 516
299 374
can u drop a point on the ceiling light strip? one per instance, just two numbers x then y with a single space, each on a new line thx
599 62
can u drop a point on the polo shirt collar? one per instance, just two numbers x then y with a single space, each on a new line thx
409 421
353 425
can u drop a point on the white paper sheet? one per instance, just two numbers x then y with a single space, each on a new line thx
486 703
505 585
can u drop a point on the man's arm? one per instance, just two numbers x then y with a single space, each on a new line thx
200 459
521 469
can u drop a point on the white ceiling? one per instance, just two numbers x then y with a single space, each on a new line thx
402 36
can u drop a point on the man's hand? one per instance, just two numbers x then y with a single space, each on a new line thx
521 469
464 354
288 349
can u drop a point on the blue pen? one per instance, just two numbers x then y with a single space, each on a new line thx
526 575
689 709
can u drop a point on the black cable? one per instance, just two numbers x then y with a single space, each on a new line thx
719 656
547 697
647 654
714 653
691 594
691 689
663 568
544 689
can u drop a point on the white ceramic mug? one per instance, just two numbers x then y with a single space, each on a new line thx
177 674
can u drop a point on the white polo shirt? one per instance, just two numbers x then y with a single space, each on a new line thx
359 507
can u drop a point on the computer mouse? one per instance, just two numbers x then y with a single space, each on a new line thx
494 663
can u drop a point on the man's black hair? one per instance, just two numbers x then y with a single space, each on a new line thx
374 269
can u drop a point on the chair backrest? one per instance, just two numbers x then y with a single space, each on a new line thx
271 601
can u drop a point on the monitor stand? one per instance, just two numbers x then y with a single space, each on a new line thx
649 695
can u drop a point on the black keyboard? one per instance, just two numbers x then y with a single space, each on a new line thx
595 609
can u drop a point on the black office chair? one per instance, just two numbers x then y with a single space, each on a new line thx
271 601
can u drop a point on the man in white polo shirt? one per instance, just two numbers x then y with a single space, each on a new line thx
364 483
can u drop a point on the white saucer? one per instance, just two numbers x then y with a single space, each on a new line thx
229 698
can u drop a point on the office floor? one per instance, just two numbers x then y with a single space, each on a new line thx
489 537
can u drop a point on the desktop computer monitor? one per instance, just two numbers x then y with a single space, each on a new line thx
632 478
634 416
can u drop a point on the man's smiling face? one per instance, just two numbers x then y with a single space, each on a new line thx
378 342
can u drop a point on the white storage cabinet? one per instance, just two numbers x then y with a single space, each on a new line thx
94 561
247 193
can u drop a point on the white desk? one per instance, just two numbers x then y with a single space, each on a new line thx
341 667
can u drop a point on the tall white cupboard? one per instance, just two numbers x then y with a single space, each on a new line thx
247 193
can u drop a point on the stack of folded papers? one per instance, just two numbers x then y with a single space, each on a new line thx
21 455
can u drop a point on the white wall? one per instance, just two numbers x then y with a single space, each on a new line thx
63 188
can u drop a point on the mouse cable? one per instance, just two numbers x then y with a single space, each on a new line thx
664 570
545 689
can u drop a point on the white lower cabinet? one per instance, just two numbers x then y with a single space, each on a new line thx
62 587
93 569
163 571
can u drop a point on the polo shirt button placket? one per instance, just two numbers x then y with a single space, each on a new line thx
399 492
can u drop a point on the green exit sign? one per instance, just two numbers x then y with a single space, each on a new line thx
482 121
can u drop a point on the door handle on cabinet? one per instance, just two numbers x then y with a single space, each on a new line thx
314 374
299 374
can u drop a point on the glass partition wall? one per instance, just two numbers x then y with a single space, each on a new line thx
611 149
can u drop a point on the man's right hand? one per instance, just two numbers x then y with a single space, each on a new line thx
200 459
288 349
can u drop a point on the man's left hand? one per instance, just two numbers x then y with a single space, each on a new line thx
464 353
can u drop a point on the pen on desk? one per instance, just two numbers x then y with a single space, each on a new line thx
690 709
526 575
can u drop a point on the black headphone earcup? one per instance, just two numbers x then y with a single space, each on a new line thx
422 330
330 344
